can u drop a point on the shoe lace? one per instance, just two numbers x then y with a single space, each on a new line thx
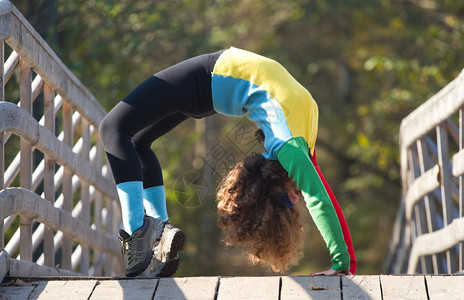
127 247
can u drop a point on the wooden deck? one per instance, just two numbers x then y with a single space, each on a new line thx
274 287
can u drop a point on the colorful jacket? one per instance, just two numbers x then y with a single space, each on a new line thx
244 82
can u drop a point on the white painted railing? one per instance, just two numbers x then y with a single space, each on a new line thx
58 204
429 231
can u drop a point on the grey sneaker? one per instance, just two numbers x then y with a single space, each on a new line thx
137 249
166 258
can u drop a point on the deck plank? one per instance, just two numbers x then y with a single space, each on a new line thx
16 292
195 288
125 289
63 289
403 287
311 287
231 288
445 287
433 287
361 287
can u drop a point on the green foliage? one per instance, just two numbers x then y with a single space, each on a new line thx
367 64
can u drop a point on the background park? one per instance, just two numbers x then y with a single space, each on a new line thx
368 64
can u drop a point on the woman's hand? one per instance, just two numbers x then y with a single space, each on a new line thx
332 272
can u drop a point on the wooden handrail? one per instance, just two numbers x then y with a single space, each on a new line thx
17 201
428 235
14 119
434 111
70 181
24 39
427 244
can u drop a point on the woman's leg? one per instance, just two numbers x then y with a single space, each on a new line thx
148 104
341 218
142 108
183 88
154 196
165 261
149 111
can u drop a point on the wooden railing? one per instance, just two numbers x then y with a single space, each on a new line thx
58 204
429 230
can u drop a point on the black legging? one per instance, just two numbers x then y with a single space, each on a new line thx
156 106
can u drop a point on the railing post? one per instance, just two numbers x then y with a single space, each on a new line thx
430 208
461 186
67 184
109 230
49 173
420 211
445 185
2 143
98 207
25 96
85 195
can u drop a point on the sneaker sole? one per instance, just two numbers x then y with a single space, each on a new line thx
174 243
167 269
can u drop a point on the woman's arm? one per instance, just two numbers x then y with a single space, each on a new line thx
294 157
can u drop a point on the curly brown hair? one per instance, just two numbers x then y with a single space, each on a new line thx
250 216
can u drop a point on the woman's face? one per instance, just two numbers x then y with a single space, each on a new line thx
293 192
